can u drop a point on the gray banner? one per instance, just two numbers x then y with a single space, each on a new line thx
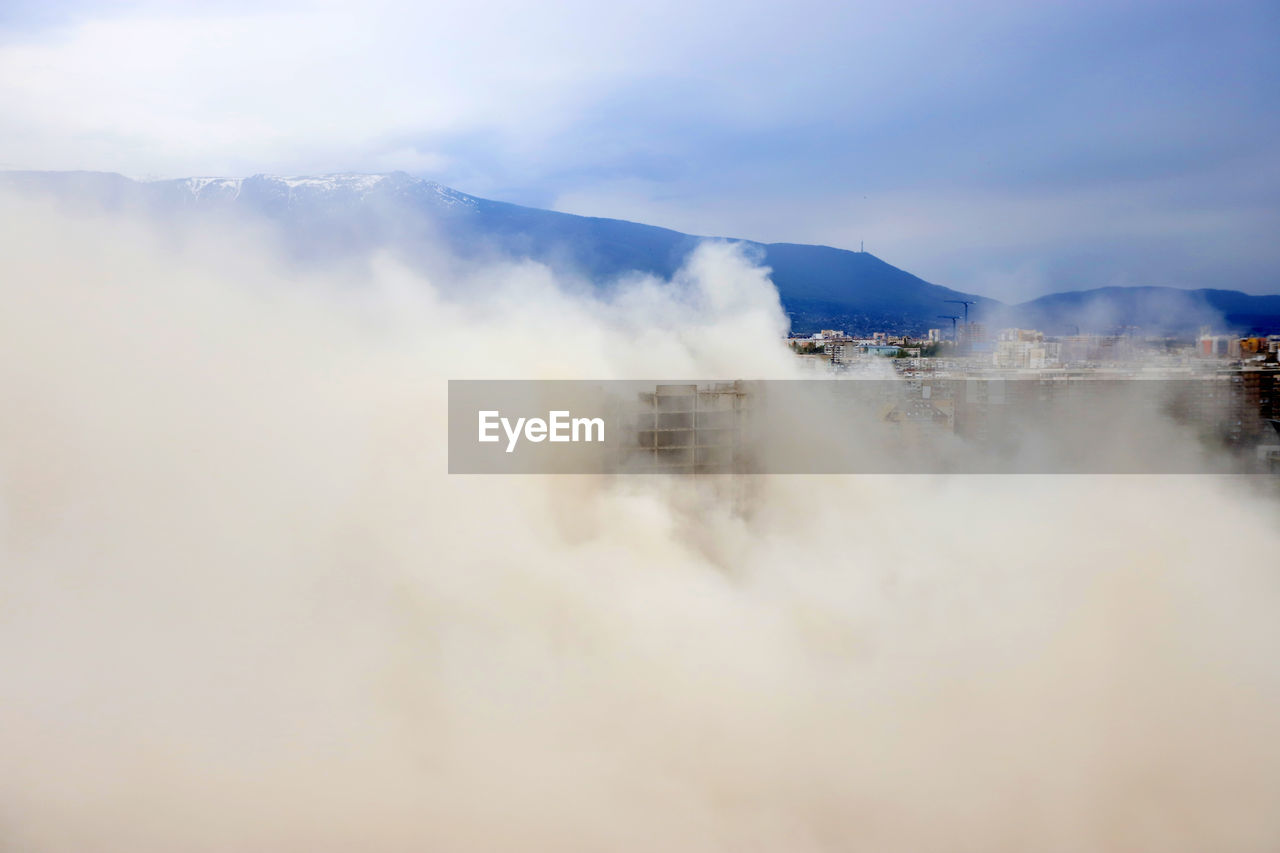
1215 424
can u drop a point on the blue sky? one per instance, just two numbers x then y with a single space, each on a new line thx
1010 149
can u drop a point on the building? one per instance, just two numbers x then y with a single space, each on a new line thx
1025 349
839 351
687 429
1217 346
971 333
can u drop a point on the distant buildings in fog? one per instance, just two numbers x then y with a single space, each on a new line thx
842 350
1030 349
1025 349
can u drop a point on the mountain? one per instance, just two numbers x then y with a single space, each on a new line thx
1150 307
330 217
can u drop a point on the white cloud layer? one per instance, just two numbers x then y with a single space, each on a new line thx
243 607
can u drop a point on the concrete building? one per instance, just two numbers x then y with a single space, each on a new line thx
838 351
687 429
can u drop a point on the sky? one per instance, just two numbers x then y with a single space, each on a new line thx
1008 149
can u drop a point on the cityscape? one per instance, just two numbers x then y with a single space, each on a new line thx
639 427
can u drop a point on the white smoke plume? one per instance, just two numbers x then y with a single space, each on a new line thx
243 607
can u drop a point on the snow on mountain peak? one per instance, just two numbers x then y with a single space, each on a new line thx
338 185
215 186
354 182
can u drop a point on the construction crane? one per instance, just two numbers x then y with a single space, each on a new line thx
953 318
966 303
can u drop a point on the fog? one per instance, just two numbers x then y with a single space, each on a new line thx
243 607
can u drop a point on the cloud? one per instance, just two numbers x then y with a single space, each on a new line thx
243 606
725 121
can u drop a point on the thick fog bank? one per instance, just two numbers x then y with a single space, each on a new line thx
243 607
